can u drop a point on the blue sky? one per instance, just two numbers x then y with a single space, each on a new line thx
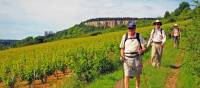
22 18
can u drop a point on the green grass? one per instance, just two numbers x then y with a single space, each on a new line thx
41 56
187 79
151 77
109 80
189 72
155 77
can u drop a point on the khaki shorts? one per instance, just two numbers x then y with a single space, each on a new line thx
132 66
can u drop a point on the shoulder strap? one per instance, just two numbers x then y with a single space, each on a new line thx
126 37
138 39
161 30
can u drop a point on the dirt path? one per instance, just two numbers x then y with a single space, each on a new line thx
172 78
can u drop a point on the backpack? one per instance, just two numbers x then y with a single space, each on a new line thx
137 37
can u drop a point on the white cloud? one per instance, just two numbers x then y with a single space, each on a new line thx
35 16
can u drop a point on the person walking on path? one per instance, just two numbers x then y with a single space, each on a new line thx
157 40
176 33
132 46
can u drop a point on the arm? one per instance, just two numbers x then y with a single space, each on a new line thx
122 46
143 49
150 39
143 43
164 38
122 52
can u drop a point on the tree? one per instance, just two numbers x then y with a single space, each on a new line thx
182 6
185 14
28 39
39 39
167 14
197 3
171 19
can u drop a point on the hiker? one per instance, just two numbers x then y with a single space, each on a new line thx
176 35
157 40
132 46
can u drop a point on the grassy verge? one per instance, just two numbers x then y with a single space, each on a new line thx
109 80
151 78
186 78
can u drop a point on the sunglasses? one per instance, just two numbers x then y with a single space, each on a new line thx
157 24
132 28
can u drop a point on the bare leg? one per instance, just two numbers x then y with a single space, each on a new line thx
137 81
126 82
174 42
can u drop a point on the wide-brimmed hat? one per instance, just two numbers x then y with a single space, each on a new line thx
157 21
131 25
175 25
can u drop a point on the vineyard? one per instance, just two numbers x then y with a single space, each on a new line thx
92 60
39 61
88 58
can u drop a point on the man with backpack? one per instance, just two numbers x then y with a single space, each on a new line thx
132 46
176 35
157 40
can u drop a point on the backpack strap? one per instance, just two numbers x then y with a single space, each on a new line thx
126 37
161 31
137 37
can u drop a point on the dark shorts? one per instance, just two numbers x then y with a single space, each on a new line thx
176 38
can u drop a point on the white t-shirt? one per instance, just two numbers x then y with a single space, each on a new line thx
131 44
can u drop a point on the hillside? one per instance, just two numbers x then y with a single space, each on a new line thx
4 44
110 24
89 58
61 54
84 30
